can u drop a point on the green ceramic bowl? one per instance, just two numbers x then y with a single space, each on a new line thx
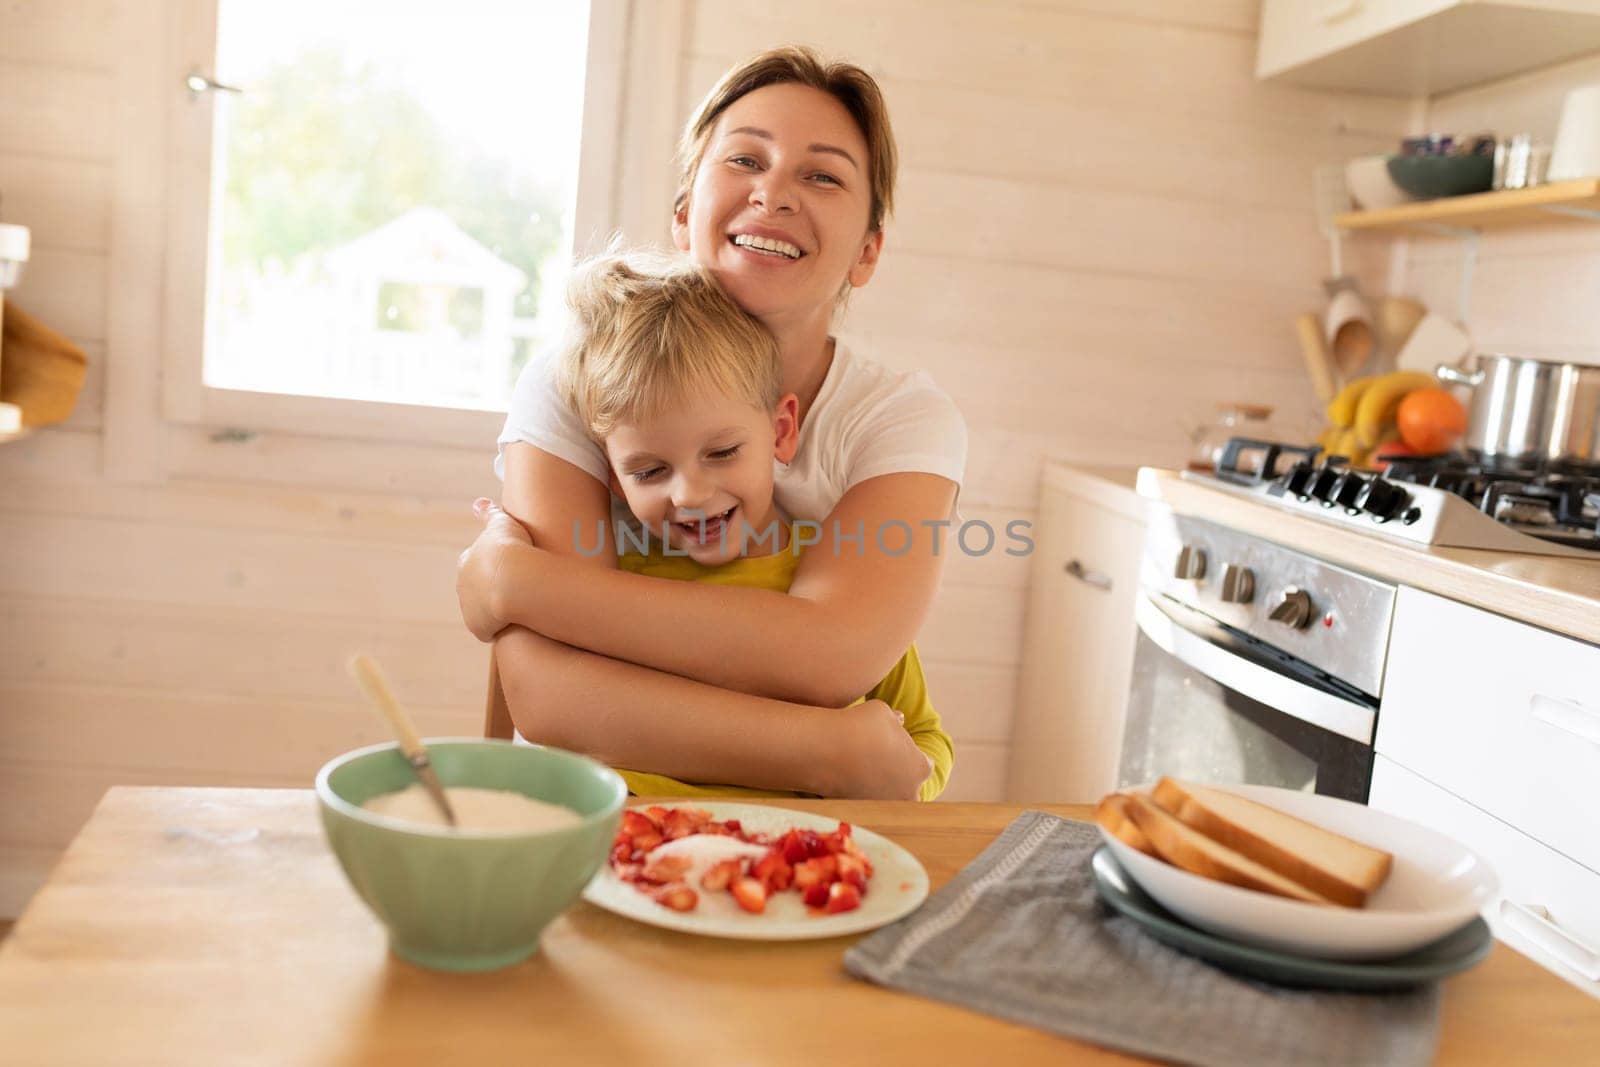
459 900
1430 177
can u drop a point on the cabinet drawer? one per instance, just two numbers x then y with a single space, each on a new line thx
1548 907
1500 713
1077 651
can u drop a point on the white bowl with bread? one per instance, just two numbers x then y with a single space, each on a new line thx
1294 871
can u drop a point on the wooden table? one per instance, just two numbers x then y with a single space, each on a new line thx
213 926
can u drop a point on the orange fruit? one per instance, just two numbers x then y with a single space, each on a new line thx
1431 420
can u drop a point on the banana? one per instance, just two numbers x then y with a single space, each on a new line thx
1379 400
1328 439
1342 408
1346 444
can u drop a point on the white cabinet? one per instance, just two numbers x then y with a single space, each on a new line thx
1546 906
1502 714
1079 637
1490 732
1418 47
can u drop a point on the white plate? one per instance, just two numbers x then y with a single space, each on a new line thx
898 885
1436 885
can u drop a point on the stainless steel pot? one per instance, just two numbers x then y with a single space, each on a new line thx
1530 408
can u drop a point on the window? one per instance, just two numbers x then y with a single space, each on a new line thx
390 202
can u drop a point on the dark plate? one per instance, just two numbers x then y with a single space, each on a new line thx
1451 953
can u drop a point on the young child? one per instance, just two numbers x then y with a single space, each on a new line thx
681 387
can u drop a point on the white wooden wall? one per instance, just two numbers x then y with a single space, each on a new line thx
1534 289
1104 228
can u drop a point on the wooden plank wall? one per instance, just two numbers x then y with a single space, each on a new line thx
1104 228
1533 290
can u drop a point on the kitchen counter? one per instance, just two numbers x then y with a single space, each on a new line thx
1555 592
214 926
1111 487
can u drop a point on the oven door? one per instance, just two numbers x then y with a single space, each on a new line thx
1211 704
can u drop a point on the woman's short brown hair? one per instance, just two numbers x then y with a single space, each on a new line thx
648 331
845 82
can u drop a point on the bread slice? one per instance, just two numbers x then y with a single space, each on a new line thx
1331 864
1184 847
1112 813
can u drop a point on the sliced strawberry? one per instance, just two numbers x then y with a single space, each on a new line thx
664 869
823 871
677 896
816 896
773 871
734 826
645 842
635 823
793 848
721 875
655 812
842 896
750 895
853 870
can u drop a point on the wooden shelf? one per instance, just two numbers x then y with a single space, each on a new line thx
1509 207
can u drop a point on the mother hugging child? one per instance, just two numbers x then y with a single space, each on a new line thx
675 388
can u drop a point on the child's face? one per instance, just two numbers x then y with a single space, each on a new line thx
705 470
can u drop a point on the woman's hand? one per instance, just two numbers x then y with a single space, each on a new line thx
478 568
880 761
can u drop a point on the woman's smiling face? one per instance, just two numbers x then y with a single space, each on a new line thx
778 210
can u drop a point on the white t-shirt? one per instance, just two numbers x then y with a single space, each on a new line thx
867 420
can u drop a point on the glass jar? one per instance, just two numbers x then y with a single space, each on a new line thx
1233 419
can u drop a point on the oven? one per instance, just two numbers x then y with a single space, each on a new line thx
1255 664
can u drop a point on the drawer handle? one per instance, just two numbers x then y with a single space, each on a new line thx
1083 574
1568 715
1534 923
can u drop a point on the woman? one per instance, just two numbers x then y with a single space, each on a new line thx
787 177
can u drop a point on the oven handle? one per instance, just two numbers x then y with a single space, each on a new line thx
1254 681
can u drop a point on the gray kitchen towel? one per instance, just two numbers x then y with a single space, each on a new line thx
1021 933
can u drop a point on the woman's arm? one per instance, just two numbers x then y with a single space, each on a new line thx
855 604
638 717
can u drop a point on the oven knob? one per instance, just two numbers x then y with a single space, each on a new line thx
1323 481
1294 610
1238 584
1191 564
1384 500
1299 479
1348 491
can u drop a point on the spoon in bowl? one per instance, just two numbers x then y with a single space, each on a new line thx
376 687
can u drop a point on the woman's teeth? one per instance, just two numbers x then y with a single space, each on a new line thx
767 245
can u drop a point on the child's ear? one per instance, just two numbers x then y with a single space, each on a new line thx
786 426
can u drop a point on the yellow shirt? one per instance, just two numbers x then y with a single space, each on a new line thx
904 689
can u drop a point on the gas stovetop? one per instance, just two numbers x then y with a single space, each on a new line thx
1450 500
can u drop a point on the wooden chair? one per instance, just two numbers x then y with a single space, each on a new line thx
496 713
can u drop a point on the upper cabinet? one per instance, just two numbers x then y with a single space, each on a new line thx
1418 47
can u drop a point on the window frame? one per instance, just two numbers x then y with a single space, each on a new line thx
190 213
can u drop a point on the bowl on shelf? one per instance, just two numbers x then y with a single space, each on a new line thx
1367 178
469 900
1431 177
